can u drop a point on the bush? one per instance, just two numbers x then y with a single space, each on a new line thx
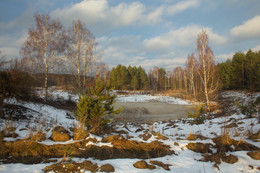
247 109
92 108
198 116
16 84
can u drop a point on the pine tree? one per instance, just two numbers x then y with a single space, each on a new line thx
92 108
134 83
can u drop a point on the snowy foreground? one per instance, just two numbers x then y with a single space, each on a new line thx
184 160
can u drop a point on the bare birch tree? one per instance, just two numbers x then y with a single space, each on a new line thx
44 43
80 53
191 73
102 71
206 68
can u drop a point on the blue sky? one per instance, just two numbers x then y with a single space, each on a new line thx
147 33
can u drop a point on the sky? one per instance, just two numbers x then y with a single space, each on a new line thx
148 33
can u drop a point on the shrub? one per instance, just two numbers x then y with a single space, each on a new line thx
16 84
247 109
198 116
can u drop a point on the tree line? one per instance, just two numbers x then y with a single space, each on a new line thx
128 78
241 72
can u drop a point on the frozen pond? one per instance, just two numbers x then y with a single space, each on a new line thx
145 109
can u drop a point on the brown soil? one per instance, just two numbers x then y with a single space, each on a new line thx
145 112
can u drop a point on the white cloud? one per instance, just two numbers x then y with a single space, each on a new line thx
182 37
256 48
248 30
181 6
11 44
168 64
224 57
101 16
154 17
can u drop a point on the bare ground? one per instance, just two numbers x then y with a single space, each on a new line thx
145 112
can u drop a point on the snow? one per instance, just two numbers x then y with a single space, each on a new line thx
185 161
45 117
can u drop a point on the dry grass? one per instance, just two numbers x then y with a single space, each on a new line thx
192 137
22 150
159 135
80 132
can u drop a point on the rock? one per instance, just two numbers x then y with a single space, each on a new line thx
254 155
161 164
60 134
143 165
107 168
199 147
231 159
